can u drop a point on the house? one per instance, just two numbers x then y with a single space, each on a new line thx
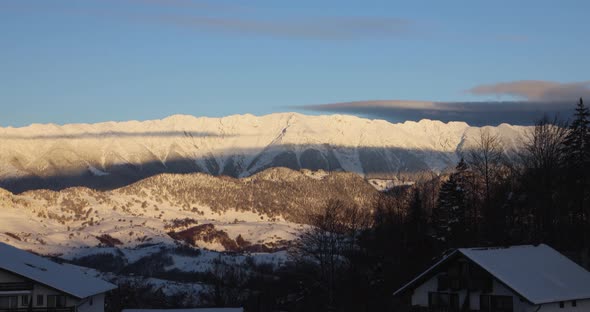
32 283
509 279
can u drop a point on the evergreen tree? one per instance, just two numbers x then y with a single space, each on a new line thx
577 164
449 218
577 142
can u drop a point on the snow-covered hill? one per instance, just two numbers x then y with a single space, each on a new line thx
174 224
261 213
113 154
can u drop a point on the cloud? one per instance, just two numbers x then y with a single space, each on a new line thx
534 98
209 16
536 90
186 4
234 19
474 113
328 28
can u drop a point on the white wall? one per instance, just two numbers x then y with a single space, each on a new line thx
420 294
97 304
420 298
7 277
582 305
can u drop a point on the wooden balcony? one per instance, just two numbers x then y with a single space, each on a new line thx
16 286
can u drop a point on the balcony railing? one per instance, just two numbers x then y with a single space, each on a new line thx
15 286
70 309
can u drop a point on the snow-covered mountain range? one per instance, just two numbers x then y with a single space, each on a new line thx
186 194
113 154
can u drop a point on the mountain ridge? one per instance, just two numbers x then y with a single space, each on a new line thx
112 154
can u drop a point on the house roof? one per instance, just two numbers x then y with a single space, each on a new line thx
539 273
60 277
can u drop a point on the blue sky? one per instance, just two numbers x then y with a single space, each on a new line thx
64 61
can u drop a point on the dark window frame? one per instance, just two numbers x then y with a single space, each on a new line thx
25 300
59 301
12 301
452 300
40 300
491 302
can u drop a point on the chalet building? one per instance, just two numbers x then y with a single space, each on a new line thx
512 279
30 283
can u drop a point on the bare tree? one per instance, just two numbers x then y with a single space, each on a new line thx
486 160
543 157
329 242
544 143
486 157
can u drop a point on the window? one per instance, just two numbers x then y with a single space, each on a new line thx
574 303
8 302
24 300
484 303
40 300
443 300
91 301
561 304
501 303
54 301
495 303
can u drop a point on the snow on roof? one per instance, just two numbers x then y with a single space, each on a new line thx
187 310
538 273
60 277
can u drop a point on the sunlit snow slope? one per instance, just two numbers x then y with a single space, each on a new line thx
261 213
109 155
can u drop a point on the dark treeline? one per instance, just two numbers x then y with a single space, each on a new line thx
353 258
351 261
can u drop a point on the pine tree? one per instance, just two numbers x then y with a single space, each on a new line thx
577 165
449 216
577 142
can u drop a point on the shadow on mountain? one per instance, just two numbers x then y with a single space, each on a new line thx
371 162
115 134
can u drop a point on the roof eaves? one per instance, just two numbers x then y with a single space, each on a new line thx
413 281
113 286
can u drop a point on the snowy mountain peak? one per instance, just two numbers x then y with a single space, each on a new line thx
112 154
